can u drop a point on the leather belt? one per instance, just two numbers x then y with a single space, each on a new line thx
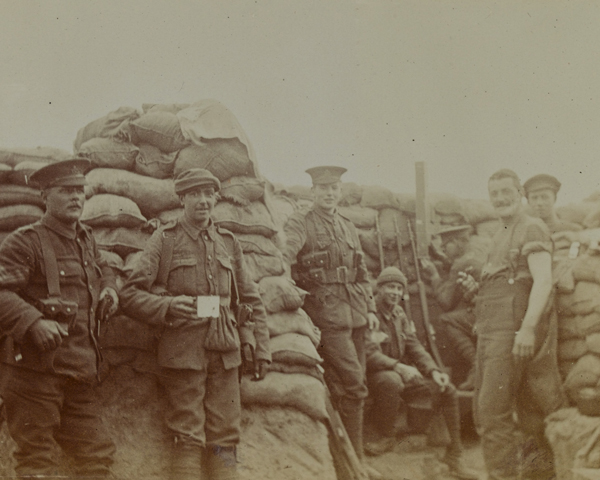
333 275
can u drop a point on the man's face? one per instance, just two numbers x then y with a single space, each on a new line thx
391 293
198 204
542 202
327 195
504 197
64 203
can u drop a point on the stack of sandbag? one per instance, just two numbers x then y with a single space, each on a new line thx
19 204
585 213
295 379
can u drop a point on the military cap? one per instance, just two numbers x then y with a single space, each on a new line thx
328 174
67 173
542 181
391 274
195 177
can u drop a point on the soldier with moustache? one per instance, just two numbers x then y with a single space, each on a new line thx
323 248
53 278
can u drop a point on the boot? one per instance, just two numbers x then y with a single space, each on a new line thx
351 412
458 469
186 462
380 446
222 463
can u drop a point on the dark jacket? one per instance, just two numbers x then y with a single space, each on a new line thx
401 344
82 276
204 262
317 242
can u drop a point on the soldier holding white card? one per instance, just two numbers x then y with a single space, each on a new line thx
189 280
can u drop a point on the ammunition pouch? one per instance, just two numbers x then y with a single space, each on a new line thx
331 275
314 260
55 308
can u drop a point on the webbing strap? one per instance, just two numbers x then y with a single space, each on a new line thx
166 256
50 262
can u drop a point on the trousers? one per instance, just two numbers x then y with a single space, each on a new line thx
45 411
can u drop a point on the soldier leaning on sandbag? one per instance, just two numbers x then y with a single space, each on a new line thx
189 280
517 381
54 281
541 191
327 259
459 316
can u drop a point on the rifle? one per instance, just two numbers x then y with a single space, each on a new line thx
346 462
379 242
406 296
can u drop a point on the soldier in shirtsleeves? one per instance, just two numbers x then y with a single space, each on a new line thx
189 280
53 280
541 191
323 248
517 381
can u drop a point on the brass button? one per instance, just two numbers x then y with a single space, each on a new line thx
209 276
511 281
62 272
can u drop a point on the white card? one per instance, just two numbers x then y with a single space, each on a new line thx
208 306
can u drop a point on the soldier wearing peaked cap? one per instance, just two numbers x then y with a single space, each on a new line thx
324 251
189 281
54 280
541 191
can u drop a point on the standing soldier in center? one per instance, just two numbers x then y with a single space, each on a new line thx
326 257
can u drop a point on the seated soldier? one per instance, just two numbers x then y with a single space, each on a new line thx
447 288
400 369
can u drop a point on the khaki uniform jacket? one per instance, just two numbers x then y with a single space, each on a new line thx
330 305
82 276
204 262
401 345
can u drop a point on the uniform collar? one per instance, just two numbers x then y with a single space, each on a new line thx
330 217
68 231
194 232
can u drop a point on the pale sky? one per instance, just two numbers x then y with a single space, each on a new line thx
468 86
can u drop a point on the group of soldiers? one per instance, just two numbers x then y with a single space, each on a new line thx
191 284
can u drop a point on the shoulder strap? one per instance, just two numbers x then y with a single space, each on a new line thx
49 261
311 229
166 256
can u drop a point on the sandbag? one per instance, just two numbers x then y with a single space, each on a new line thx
21 173
123 241
111 211
478 211
169 107
261 266
448 206
153 163
281 208
109 153
5 173
295 343
17 195
299 192
361 217
368 242
392 222
130 262
565 367
169 216
592 342
584 300
113 260
242 190
15 216
160 129
253 218
295 321
150 194
280 294
586 267
378 198
575 212
302 392
585 373
14 156
571 349
224 157
351 194
115 125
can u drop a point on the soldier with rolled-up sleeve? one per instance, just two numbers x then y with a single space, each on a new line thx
205 279
51 281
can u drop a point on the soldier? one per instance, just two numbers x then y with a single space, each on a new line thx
541 191
189 281
53 278
327 260
399 368
517 381
460 316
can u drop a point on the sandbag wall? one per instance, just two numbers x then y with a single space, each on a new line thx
136 155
